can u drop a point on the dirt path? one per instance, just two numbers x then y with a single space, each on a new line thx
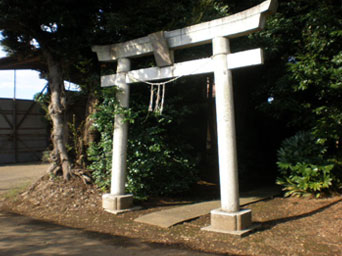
23 236
20 235
288 226
17 175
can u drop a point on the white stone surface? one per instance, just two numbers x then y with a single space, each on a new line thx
162 54
228 168
193 67
120 133
245 58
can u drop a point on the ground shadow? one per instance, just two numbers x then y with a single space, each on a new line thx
266 225
27 236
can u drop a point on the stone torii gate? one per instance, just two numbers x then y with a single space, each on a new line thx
229 218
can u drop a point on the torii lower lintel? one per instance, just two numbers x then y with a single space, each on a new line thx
229 218
192 67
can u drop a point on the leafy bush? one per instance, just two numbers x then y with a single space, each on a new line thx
159 160
303 166
304 81
157 165
99 153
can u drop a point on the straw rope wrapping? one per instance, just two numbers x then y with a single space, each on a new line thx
160 97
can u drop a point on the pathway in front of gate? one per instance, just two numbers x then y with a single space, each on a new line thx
20 235
173 216
16 175
24 236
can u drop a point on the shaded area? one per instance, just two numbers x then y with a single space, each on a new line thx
271 223
21 235
24 131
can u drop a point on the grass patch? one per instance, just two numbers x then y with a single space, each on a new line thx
12 193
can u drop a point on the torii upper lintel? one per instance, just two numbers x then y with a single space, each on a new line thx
239 24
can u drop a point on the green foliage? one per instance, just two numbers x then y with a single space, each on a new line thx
301 147
159 161
99 154
155 166
311 88
303 167
303 43
50 24
130 19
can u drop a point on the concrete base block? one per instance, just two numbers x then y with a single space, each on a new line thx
118 203
236 223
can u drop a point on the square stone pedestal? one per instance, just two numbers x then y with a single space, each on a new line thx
118 203
235 223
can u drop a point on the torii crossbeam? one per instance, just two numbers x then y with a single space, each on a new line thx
229 218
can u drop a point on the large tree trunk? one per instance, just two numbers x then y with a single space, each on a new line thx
88 135
57 107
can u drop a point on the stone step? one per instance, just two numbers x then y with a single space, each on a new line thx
173 216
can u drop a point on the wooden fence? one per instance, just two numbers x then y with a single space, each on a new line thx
24 133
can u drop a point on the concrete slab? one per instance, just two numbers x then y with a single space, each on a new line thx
239 233
173 216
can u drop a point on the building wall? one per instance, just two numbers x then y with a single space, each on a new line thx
28 138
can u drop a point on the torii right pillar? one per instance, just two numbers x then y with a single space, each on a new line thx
229 218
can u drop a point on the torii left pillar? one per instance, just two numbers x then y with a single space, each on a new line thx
117 201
